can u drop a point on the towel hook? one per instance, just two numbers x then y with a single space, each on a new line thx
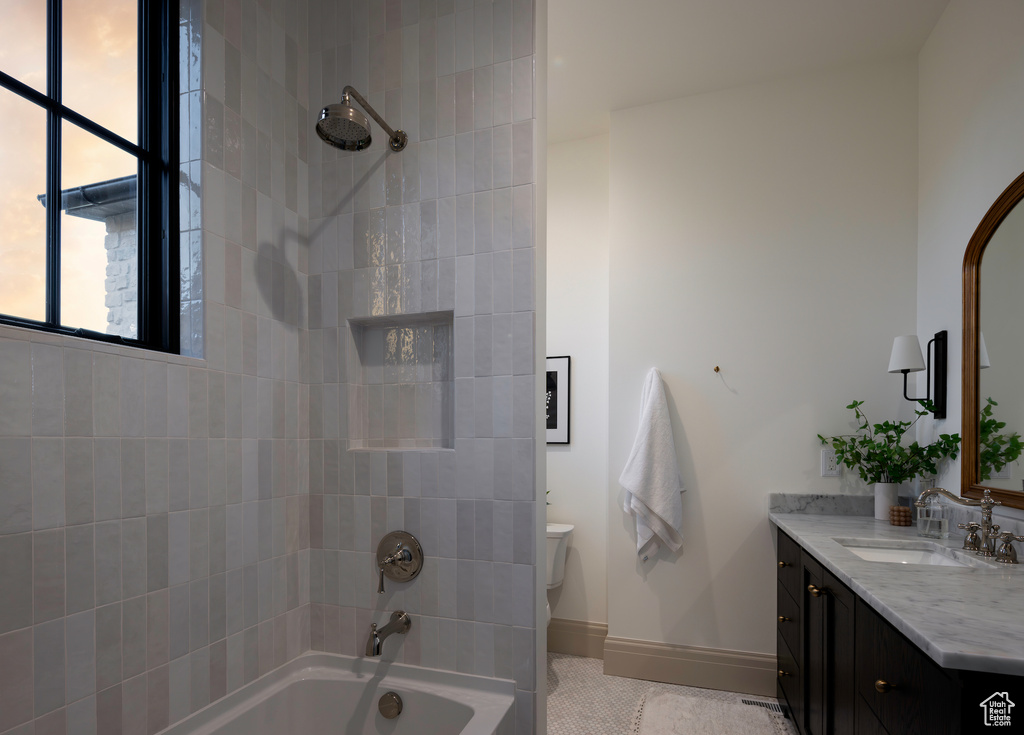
721 376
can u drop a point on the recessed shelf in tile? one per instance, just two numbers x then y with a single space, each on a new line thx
403 393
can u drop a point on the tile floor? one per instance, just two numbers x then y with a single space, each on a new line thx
583 701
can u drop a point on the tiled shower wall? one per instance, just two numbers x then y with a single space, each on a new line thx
154 509
155 515
445 225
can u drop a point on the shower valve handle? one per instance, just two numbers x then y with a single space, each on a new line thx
399 555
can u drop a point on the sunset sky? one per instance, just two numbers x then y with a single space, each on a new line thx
99 81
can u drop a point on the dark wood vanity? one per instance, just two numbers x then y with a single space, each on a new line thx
844 669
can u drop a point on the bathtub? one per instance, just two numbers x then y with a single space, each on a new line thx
325 693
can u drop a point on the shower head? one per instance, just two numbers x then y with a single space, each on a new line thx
342 126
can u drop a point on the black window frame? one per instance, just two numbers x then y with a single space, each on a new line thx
157 153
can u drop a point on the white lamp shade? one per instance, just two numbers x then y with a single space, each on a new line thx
982 352
906 355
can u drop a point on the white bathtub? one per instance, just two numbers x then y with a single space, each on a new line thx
330 694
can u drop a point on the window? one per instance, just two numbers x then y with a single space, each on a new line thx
88 168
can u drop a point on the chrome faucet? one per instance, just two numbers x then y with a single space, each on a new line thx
400 623
985 545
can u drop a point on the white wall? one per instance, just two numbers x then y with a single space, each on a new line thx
971 106
577 320
796 291
769 230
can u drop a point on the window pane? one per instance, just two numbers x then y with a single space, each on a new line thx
99 253
23 41
22 213
101 59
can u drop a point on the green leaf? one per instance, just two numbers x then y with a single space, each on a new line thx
996 450
877 452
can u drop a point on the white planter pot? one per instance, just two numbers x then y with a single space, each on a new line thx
886 494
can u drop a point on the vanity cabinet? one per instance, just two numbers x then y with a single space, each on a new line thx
845 670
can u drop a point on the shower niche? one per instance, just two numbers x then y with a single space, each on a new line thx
402 391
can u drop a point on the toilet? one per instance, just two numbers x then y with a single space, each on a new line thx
558 541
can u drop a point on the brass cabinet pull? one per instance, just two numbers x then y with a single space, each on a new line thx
783 673
784 619
882 686
815 591
784 564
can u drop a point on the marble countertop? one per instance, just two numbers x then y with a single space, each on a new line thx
963 617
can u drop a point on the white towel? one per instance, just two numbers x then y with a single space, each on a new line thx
651 476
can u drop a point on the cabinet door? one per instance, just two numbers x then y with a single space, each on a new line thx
841 704
908 692
814 638
828 652
867 723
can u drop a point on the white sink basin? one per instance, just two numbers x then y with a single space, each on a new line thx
906 552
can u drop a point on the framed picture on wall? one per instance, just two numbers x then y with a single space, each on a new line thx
556 400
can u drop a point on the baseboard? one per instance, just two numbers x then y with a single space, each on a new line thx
711 668
577 637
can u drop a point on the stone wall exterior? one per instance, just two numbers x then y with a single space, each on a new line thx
122 281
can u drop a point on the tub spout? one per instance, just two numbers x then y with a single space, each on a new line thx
400 623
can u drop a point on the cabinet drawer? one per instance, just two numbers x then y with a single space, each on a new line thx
789 628
790 687
918 693
789 565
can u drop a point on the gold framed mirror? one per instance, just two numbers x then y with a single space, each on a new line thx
1007 239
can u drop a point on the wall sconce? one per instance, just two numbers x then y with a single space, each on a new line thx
907 358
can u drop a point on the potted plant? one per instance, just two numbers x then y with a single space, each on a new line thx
995 450
881 458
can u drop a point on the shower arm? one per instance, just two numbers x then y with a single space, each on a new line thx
398 138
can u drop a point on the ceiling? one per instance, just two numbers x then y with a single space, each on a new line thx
606 55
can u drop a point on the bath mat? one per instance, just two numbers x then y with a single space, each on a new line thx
667 713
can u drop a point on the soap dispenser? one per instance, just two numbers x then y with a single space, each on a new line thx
933 519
